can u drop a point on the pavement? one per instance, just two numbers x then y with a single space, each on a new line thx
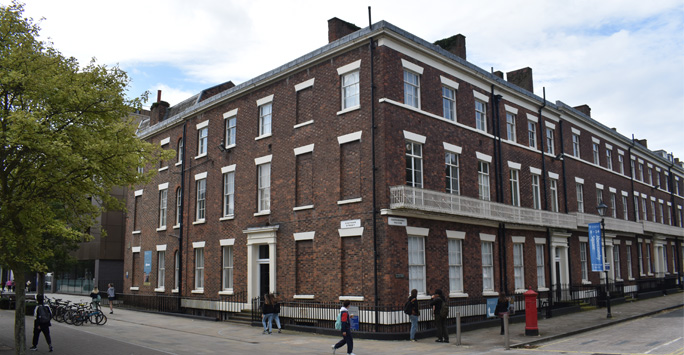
135 332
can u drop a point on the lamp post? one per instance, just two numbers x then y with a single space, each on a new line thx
602 208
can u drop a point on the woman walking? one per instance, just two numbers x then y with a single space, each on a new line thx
267 311
111 295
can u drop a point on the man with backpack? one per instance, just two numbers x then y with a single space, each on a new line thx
412 310
43 316
440 309
343 323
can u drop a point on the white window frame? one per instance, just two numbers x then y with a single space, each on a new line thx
161 269
616 262
621 162
351 90
200 200
613 204
584 261
414 170
231 132
580 197
483 189
541 275
609 159
510 126
576 145
532 133
228 192
176 273
199 269
553 187
202 139
515 187
630 273
519 266
480 115
264 188
550 140
265 119
487 248
595 152
416 263
536 192
411 88
179 151
179 202
227 268
449 103
452 173
455 246
163 203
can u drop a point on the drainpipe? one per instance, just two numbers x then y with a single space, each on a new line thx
541 145
678 244
375 230
498 182
562 154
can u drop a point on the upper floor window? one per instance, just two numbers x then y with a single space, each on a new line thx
609 159
580 198
536 192
532 133
487 266
625 208
518 266
455 265
411 89
515 187
201 200
414 164
162 206
202 138
641 172
228 192
265 113
483 180
350 90
575 145
179 202
621 163
550 140
510 126
264 187
452 173
480 115
416 263
595 152
231 130
553 183
179 150
449 103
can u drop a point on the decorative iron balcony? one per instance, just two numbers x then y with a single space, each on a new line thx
411 198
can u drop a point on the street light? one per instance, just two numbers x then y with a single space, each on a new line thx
602 208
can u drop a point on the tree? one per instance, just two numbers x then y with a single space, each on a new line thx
65 139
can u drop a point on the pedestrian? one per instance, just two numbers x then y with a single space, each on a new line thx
415 313
438 303
276 310
502 309
95 295
42 324
345 317
28 286
267 313
111 295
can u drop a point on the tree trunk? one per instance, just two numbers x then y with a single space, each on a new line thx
40 287
20 312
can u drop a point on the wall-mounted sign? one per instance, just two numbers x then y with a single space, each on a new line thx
352 223
394 221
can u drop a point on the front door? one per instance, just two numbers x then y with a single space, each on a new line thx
264 273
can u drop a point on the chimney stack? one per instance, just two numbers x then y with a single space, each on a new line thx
454 44
522 78
643 142
585 109
338 29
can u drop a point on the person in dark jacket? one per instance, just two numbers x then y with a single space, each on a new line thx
415 313
438 301
41 325
267 311
276 310
501 309
346 330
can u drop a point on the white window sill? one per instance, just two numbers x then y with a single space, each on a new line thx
179 163
489 293
164 168
349 109
303 124
226 292
175 290
159 289
177 226
649 274
520 291
136 232
201 221
424 297
262 137
160 229
262 213
630 279
135 288
229 146
303 297
353 200
543 289
619 280
586 282
458 295
300 208
201 156
198 291
352 298
227 218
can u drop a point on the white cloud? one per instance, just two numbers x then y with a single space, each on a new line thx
621 57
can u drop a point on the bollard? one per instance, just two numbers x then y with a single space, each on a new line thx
507 340
458 328
531 327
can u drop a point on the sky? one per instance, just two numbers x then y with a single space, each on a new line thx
623 58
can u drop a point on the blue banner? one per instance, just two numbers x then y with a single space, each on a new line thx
596 247
491 306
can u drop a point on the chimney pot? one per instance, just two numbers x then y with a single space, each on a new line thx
158 95
338 29
522 78
454 44
585 109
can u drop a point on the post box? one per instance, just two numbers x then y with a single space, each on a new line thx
531 327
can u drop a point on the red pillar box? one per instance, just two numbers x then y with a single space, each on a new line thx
531 313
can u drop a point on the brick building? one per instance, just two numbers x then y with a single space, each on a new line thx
381 163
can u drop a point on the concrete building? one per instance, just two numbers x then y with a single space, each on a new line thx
380 163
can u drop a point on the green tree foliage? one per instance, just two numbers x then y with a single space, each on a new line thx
65 140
